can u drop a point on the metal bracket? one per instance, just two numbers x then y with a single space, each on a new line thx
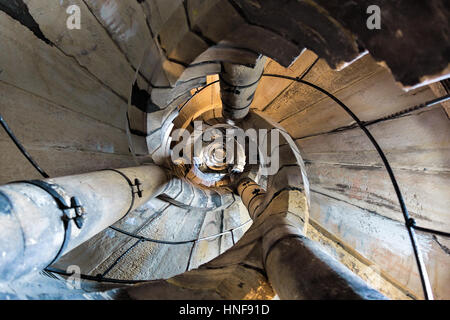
71 209
136 188
75 212
256 192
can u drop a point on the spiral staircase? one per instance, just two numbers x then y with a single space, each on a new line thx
118 93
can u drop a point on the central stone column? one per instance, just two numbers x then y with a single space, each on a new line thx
238 84
296 267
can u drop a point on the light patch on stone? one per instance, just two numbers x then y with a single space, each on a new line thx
110 233
107 148
110 13
131 221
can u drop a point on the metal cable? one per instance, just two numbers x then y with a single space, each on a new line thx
409 222
101 278
196 92
427 230
130 183
92 278
408 110
21 148
118 259
142 238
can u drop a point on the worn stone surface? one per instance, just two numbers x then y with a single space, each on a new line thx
91 46
78 93
158 12
382 245
126 24
265 42
305 24
404 25
226 19
34 66
177 41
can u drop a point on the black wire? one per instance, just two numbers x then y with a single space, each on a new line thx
409 222
190 256
239 86
142 238
93 278
409 110
21 148
441 233
119 258
197 92
133 194
45 175
101 278
309 68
